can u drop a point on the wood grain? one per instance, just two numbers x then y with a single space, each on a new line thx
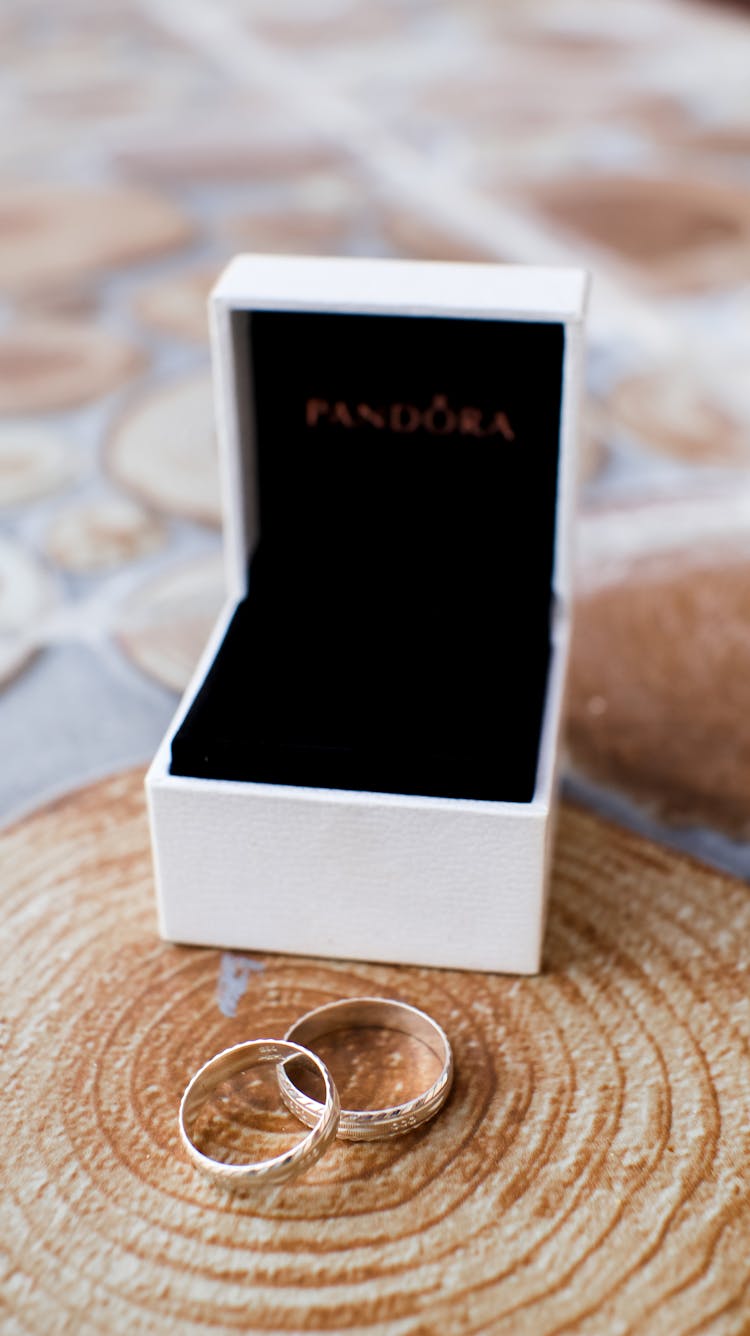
312 229
673 412
659 698
163 624
106 532
53 364
59 235
28 592
163 449
178 303
676 234
34 460
589 1173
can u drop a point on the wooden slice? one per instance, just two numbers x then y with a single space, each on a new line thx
589 1173
676 233
415 237
164 450
673 411
51 364
305 231
339 25
593 440
102 533
704 521
27 593
731 139
659 698
666 119
62 302
220 149
54 234
163 625
510 98
178 304
678 123
33 461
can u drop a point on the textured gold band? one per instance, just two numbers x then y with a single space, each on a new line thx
292 1162
376 1012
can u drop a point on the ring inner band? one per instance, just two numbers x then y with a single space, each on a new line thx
242 1058
373 1013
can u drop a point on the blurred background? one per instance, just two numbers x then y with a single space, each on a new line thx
145 143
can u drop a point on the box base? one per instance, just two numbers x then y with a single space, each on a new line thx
354 876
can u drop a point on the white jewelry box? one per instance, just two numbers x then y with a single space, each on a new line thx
363 765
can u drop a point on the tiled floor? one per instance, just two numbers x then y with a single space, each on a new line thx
148 142
590 1170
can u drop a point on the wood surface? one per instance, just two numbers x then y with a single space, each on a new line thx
162 448
60 235
109 531
56 364
589 1174
659 696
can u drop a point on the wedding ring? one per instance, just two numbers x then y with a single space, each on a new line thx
292 1162
381 1013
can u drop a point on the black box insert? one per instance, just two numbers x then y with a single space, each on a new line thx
395 636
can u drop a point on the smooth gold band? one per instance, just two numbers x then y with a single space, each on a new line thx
292 1162
375 1012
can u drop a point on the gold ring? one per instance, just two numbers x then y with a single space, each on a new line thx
383 1013
282 1167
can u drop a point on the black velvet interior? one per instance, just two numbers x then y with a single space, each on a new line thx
395 636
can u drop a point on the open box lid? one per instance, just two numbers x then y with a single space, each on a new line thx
397 456
433 290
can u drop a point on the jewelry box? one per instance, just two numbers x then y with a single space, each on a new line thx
363 765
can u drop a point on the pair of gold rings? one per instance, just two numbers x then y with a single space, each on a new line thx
326 1120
